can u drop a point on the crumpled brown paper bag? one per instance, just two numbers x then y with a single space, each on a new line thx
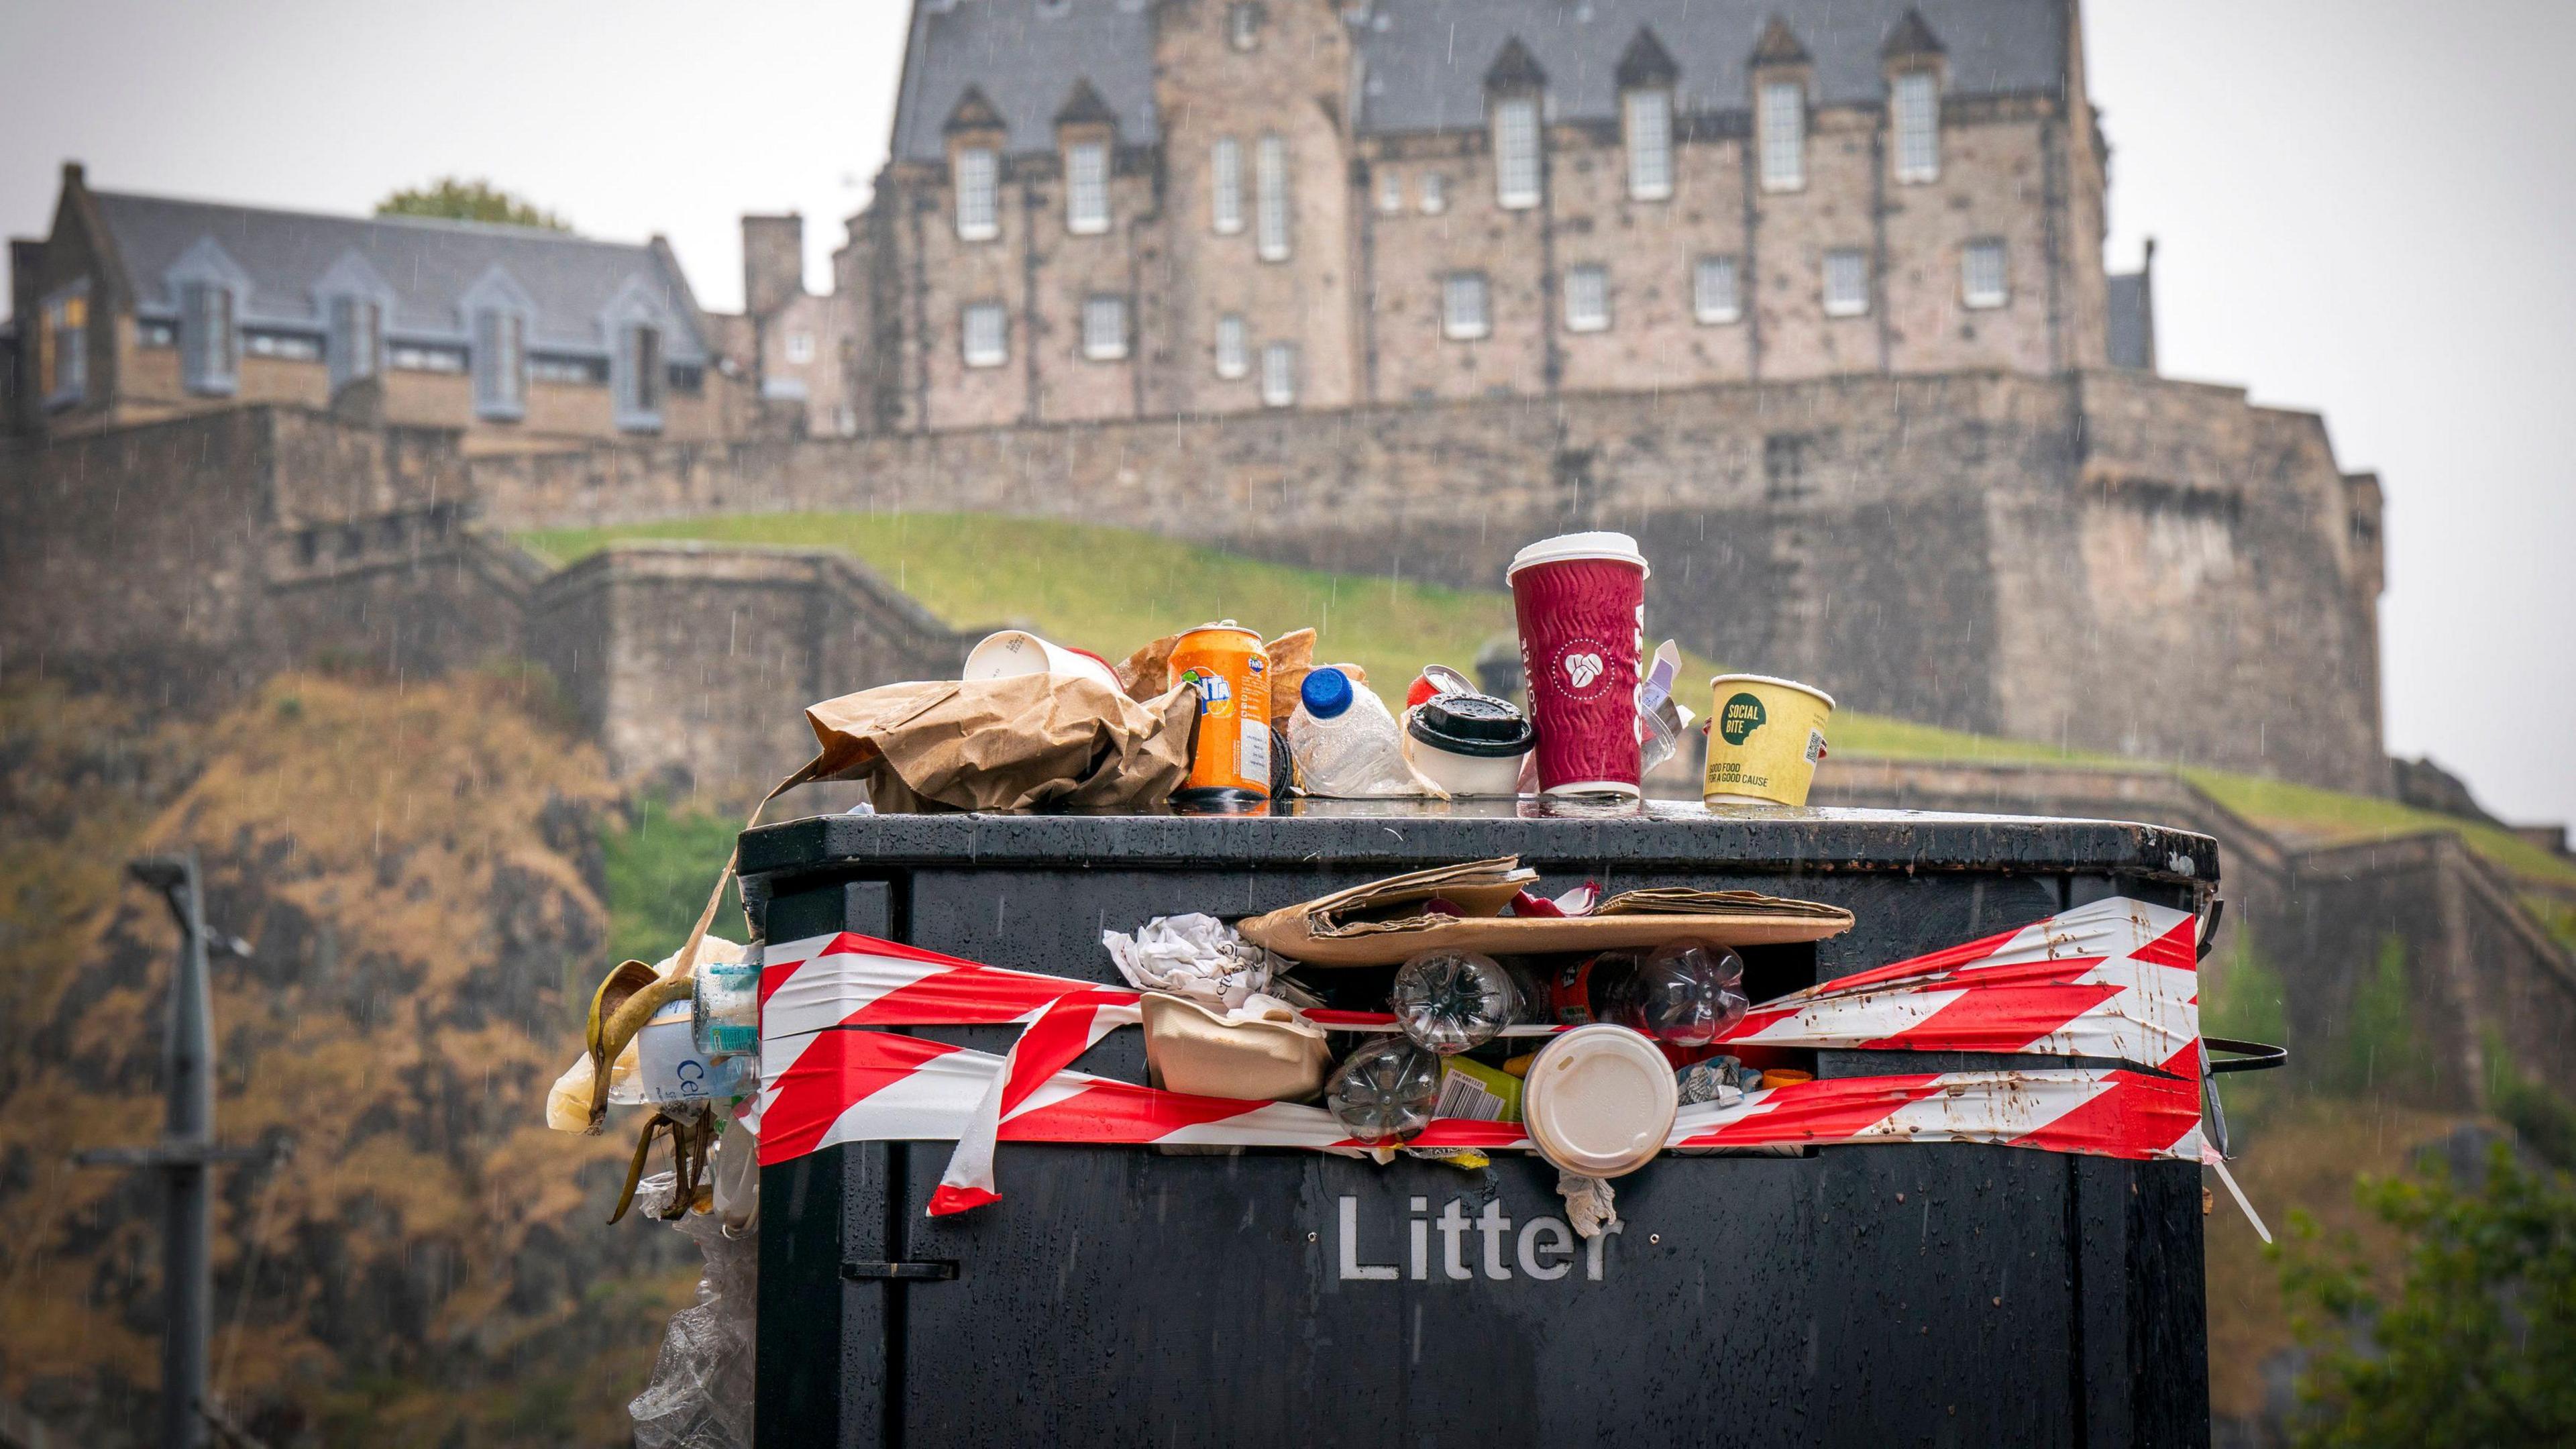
1005 744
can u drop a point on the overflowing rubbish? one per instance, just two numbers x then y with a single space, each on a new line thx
1468 744
1197 956
1387 1090
1191 1049
1449 1000
1005 744
1347 745
1662 720
700 1394
1230 670
1600 1101
1017 651
1765 737
1580 600
1464 906
1682 993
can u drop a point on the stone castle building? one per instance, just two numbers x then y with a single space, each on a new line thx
137 309
1104 209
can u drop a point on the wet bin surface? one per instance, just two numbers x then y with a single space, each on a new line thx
1879 1295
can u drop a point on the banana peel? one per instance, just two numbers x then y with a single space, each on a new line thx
632 993
693 1136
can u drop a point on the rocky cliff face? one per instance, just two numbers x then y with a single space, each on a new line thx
416 869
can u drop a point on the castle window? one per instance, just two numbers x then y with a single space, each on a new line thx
1086 188
800 347
978 201
1232 354
1716 295
155 332
1917 108
1650 145
1225 176
1435 193
1846 282
1587 299
210 351
425 357
984 330
1390 192
1270 198
1981 274
62 348
640 377
357 339
1104 328
1516 184
1463 315
1279 375
1784 136
284 346
1243 25
500 364
568 371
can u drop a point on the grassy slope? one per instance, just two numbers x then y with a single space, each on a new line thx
1110 590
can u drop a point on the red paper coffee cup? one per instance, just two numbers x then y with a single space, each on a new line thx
1581 602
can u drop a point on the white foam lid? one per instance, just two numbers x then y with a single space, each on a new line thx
1616 546
1600 1100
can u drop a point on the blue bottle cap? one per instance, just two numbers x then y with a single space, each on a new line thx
1326 692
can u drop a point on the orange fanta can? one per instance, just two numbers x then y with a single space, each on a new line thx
1227 664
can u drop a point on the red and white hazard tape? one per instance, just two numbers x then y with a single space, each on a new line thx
869 1086
2114 979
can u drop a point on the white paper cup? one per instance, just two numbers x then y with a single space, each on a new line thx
1600 1100
1017 651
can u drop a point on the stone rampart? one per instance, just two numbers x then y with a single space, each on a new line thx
2110 561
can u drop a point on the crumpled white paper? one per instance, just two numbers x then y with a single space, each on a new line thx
1197 956
1589 1203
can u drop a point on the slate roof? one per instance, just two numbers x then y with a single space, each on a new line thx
1425 60
428 264
1026 56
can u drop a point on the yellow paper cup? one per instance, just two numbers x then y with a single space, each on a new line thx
1764 738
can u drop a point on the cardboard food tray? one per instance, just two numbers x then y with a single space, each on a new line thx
1382 923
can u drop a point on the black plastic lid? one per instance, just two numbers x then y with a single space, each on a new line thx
1472 724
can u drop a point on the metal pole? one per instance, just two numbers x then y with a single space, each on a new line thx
188 1074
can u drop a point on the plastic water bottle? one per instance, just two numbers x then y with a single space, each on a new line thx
726 999
1449 1001
1682 993
1346 743
1385 1091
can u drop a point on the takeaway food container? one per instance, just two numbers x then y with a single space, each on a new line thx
1873 1295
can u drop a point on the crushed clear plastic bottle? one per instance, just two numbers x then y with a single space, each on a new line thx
725 997
1346 744
1449 1001
1682 993
1385 1090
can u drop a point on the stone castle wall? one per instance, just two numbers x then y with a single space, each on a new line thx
2106 560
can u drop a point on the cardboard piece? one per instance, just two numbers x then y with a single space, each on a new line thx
1382 923
1191 1049
1005 744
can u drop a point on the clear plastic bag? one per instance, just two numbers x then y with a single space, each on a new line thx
700 1394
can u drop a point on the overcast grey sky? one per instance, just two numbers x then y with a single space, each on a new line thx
2361 207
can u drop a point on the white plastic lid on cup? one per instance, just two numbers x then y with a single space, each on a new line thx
1600 1100
1017 651
1618 547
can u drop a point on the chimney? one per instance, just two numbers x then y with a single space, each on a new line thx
773 263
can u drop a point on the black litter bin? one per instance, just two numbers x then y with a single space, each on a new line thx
1869 1295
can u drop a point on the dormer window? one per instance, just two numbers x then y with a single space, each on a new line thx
978 179
1916 109
1243 25
357 339
210 351
1516 173
1270 198
1225 186
500 365
1650 144
1782 118
1086 188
